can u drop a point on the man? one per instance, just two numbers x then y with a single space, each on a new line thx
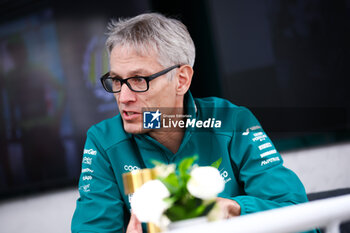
153 56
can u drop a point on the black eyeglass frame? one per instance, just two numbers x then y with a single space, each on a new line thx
146 78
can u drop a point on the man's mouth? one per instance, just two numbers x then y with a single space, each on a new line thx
129 115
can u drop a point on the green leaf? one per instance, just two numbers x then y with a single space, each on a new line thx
217 163
200 210
191 208
170 200
176 213
156 162
172 183
186 164
196 212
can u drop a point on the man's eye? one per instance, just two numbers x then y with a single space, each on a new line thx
138 79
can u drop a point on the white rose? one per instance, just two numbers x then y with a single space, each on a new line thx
205 183
164 170
148 203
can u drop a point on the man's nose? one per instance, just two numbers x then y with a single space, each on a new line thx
126 95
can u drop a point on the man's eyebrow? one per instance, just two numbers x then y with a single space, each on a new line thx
113 74
140 72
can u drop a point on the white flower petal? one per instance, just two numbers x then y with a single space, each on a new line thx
148 203
164 170
205 183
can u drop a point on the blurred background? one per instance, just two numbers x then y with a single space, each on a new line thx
288 61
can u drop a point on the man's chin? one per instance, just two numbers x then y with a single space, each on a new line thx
134 128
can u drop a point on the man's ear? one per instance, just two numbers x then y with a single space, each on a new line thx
184 78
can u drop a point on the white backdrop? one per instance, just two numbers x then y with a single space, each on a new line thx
320 169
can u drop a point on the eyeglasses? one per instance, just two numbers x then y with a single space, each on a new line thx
136 84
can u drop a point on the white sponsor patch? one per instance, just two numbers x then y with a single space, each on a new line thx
87 160
265 145
267 153
90 152
87 177
84 170
274 159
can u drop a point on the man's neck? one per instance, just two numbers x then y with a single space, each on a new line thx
171 140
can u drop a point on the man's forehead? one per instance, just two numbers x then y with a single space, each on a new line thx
131 51
131 72
128 61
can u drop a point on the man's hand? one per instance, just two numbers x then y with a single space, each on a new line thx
134 225
229 208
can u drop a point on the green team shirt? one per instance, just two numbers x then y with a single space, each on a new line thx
250 165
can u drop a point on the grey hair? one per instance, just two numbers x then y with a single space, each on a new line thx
146 33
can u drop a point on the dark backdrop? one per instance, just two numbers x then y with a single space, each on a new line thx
285 60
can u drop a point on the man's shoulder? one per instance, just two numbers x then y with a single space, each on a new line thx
216 103
218 109
109 132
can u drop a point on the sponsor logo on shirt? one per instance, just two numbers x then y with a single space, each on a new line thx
85 188
247 131
87 160
274 159
84 170
87 177
265 145
224 175
267 153
90 152
259 137
130 168
151 120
